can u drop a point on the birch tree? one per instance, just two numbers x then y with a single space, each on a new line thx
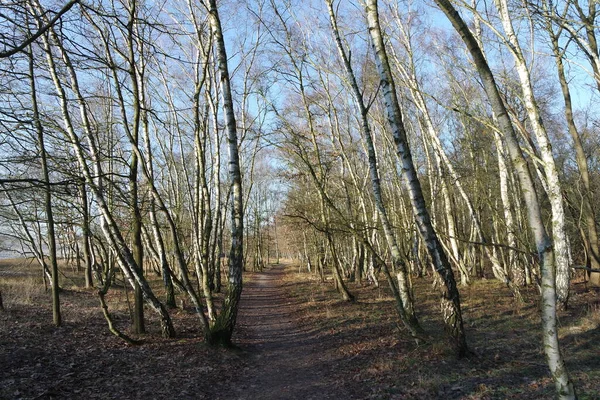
550 18
554 188
450 298
222 329
404 300
564 385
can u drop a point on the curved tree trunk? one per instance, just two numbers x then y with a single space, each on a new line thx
564 385
222 329
450 299
402 294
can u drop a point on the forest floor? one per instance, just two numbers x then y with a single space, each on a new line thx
295 340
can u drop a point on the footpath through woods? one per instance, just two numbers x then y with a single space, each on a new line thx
296 340
287 360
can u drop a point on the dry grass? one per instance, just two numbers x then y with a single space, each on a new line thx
372 348
508 360
19 283
82 360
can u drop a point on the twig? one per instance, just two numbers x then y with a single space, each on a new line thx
583 267
40 31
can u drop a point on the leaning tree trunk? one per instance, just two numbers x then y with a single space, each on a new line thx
564 385
222 329
442 161
561 245
404 299
450 300
110 228
587 199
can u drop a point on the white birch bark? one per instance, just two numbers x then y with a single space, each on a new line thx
404 300
516 271
564 385
554 191
450 299
222 329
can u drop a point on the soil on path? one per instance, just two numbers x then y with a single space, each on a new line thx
296 340
286 359
281 353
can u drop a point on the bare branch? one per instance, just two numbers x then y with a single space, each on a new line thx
40 31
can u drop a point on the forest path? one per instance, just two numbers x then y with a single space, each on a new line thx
287 360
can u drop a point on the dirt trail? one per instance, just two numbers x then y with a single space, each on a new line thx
287 360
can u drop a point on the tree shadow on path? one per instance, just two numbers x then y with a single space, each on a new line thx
286 359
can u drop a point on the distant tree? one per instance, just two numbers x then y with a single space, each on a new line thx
306 143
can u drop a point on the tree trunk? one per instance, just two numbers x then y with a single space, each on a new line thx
587 199
559 236
136 75
450 300
222 329
51 236
516 270
404 298
564 385
337 274
86 235
203 221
